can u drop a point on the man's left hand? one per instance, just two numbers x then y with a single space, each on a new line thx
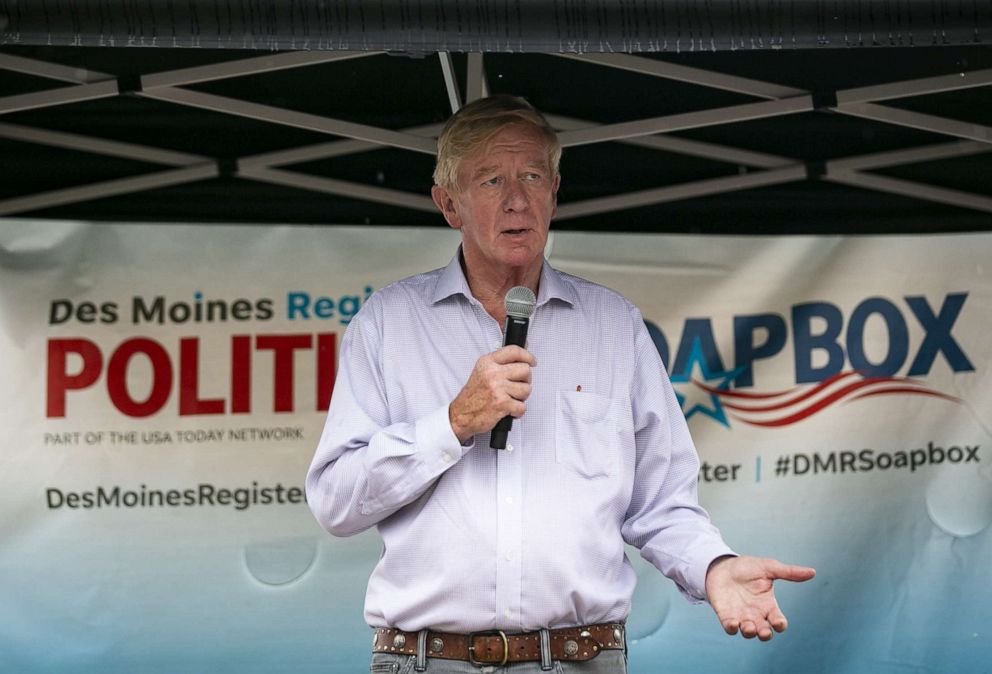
740 591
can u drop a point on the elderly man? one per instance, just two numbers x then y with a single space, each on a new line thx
515 557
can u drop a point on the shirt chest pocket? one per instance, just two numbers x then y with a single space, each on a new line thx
586 433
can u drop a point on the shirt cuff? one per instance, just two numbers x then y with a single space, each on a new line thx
696 575
437 443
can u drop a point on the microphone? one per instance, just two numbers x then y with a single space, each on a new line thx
519 303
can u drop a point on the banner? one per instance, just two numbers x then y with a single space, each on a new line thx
164 387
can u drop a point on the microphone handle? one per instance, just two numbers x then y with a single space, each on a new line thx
516 334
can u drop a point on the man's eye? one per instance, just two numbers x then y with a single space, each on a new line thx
492 181
532 176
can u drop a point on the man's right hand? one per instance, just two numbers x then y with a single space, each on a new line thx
498 386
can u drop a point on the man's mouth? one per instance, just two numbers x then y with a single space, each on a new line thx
513 232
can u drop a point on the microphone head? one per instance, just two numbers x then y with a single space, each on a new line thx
519 302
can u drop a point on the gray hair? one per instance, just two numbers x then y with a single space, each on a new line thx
467 131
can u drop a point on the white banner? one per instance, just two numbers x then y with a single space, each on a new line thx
164 388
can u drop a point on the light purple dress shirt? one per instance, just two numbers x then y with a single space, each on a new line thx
527 537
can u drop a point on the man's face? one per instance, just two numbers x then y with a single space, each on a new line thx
506 198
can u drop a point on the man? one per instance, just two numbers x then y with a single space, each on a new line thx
515 557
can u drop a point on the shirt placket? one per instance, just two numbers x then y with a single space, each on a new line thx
509 535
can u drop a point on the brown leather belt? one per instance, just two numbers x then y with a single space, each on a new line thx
499 648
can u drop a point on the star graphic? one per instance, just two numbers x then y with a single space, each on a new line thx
697 364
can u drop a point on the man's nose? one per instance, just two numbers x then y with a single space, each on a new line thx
514 196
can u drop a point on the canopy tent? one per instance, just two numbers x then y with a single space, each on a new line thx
735 128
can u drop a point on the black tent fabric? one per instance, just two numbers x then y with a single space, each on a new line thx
578 26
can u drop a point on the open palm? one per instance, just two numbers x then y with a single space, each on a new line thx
740 590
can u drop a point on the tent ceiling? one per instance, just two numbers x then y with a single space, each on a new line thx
531 26
839 140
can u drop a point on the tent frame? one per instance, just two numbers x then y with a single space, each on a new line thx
757 169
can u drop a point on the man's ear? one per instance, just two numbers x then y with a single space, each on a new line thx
445 203
554 195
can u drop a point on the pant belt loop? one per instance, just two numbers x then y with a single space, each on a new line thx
421 664
546 664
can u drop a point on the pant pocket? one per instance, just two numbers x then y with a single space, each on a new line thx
385 663
384 668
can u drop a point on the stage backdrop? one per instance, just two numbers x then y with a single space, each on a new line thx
163 388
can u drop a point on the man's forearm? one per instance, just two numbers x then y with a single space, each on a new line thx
356 482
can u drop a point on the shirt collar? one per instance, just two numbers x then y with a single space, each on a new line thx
452 280
554 285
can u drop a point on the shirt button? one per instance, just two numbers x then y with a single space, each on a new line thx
509 500
508 613
509 556
509 447
446 457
